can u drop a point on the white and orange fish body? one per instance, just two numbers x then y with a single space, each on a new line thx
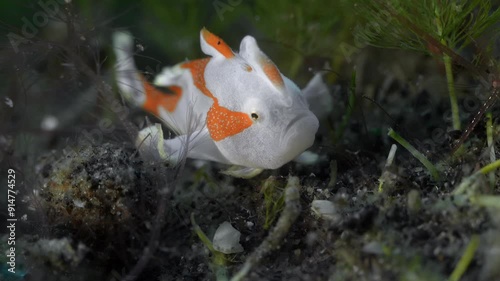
232 108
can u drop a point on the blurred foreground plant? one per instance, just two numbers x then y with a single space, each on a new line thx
305 31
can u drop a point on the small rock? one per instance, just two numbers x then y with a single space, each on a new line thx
227 239
373 248
9 102
414 201
324 208
49 123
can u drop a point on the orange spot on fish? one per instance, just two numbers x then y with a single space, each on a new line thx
221 122
156 98
197 69
272 72
217 43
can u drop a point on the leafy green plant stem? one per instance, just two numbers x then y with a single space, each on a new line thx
468 184
297 62
451 91
278 232
449 70
430 167
333 174
218 259
298 59
434 26
350 108
274 200
491 147
466 258
490 167
487 201
388 163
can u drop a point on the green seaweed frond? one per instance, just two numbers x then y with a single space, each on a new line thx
466 259
458 23
427 26
349 110
274 200
417 154
472 188
219 260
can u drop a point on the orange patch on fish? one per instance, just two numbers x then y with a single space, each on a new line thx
272 72
197 69
221 122
217 43
155 98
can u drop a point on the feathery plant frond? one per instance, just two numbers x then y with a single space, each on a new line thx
454 24
459 23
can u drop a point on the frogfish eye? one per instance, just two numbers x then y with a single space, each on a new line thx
254 116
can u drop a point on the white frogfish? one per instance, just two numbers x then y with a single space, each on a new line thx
234 108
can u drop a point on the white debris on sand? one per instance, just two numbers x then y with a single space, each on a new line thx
227 239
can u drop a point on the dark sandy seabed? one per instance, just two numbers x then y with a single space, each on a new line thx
88 202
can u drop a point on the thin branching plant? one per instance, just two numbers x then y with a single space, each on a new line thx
429 26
